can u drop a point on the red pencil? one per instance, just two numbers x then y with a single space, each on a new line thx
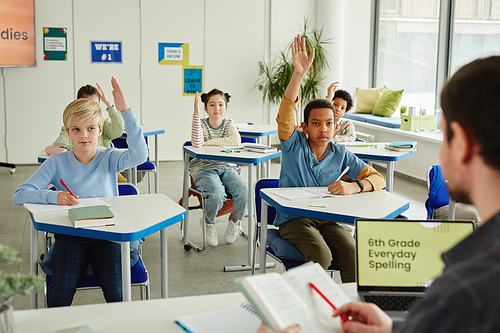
343 317
66 187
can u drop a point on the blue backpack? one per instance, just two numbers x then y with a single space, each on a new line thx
438 193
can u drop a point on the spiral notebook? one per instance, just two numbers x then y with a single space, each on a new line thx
239 318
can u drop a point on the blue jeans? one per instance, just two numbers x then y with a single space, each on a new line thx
214 185
72 255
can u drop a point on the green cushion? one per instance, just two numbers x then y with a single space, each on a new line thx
367 98
388 103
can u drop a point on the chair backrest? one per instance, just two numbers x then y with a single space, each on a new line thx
127 189
260 184
249 140
121 142
438 193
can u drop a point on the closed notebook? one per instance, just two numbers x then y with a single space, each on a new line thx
92 216
239 318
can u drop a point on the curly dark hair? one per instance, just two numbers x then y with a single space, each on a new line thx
471 98
317 104
345 96
205 97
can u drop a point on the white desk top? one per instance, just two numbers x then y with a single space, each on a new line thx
258 130
140 316
378 154
214 153
374 205
136 216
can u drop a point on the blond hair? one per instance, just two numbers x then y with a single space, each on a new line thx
82 110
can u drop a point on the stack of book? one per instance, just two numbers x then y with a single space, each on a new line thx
258 148
402 146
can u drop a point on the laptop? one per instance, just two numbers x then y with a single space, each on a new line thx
397 260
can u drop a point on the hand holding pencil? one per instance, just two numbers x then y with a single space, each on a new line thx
67 198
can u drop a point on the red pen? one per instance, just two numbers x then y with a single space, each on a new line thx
343 317
66 187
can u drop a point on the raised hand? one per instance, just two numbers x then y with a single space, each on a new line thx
301 62
331 90
118 95
103 97
196 104
66 199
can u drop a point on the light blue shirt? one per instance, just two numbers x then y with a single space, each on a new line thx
96 179
300 168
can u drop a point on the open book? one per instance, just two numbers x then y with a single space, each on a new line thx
286 299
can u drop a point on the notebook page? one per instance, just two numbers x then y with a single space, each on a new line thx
236 318
84 202
300 277
280 303
296 194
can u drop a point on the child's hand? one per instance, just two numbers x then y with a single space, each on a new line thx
196 104
103 97
119 97
66 199
331 90
301 62
341 187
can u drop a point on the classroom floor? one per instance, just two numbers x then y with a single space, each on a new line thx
190 273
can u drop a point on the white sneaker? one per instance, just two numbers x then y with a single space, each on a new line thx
232 231
212 239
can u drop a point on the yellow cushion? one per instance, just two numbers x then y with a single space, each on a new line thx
367 98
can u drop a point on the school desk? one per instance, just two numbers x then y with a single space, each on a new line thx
245 158
342 208
136 216
259 131
156 315
374 151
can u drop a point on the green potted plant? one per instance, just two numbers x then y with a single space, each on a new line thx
13 285
278 71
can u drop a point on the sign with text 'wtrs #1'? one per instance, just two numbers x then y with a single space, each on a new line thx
106 52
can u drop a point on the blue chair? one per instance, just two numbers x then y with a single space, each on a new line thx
278 248
146 166
139 273
439 195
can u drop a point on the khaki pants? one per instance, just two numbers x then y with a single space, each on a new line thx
323 242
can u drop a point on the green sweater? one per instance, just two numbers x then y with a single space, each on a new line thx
113 128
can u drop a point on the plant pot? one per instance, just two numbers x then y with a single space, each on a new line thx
7 324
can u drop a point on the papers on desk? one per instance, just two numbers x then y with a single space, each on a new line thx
239 318
84 202
305 193
78 329
243 126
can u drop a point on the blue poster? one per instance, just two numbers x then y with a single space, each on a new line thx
193 80
106 52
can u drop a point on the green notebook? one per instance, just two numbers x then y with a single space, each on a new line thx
91 216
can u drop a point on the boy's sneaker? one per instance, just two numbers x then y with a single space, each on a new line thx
232 231
212 239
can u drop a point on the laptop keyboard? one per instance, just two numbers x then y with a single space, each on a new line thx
392 302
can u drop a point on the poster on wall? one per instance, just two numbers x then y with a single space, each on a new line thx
173 54
17 33
106 52
193 80
55 44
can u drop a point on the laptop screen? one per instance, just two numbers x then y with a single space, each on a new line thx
404 255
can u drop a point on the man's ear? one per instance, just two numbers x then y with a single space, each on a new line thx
100 131
336 126
304 127
462 142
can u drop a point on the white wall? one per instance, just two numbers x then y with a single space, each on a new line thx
227 37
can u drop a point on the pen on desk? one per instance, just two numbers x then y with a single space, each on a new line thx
343 173
343 317
66 187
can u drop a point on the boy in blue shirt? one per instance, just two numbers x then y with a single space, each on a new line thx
310 159
89 171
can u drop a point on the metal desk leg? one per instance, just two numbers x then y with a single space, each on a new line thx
451 209
263 236
268 162
185 198
126 279
164 263
33 259
260 166
157 175
390 176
